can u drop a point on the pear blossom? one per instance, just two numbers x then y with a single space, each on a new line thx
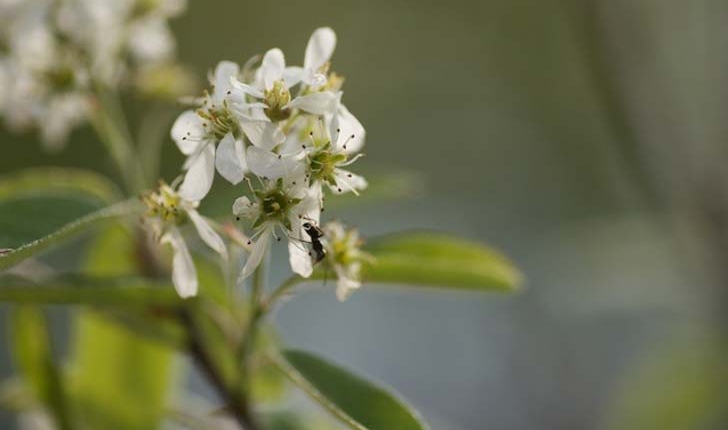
345 256
167 212
331 151
211 137
273 102
319 50
279 207
52 50
121 34
48 86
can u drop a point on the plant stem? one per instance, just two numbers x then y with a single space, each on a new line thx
112 129
237 402
291 282
251 331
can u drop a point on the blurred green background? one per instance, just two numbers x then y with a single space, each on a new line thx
587 139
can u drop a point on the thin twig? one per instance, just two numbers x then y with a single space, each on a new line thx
237 402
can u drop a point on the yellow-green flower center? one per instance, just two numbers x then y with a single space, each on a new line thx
275 205
165 205
324 162
219 121
277 98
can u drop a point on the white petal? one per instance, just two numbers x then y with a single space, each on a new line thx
320 47
347 181
224 72
257 253
184 274
244 208
263 134
271 69
198 179
292 75
345 285
270 165
298 256
247 89
351 133
230 159
207 234
321 103
313 78
186 132
309 210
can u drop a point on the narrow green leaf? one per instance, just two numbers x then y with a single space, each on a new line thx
31 350
58 180
121 378
439 260
383 186
36 214
118 291
356 402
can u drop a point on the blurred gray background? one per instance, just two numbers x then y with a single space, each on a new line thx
586 139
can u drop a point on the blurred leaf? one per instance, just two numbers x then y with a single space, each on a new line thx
424 259
267 384
58 181
383 186
37 218
121 379
355 401
15 395
681 387
122 291
31 350
290 420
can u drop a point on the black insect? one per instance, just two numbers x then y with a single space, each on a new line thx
315 233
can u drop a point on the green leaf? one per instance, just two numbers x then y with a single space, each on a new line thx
424 259
383 186
118 291
59 181
34 217
32 354
355 401
439 260
40 207
121 378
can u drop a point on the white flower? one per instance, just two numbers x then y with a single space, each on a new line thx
319 50
150 38
274 103
344 255
329 145
197 132
279 208
62 113
120 34
167 211
47 84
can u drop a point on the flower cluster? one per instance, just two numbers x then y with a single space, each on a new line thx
53 53
284 131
